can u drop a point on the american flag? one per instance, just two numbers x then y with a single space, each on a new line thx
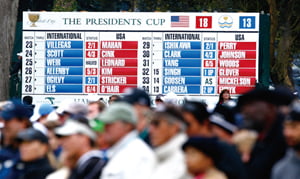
180 21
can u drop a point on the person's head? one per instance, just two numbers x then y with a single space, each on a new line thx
140 100
33 144
223 122
98 127
119 119
16 118
166 123
201 154
68 109
197 118
44 111
76 136
113 98
159 99
224 95
292 127
258 108
94 108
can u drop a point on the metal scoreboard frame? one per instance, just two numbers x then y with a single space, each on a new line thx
83 55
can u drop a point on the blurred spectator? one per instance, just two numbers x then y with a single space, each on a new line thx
94 108
201 156
197 119
141 103
159 99
17 66
289 166
129 156
113 98
244 140
27 101
260 113
78 142
224 97
40 115
69 108
16 119
33 153
167 136
223 123
98 127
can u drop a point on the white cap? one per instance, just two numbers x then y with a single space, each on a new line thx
71 127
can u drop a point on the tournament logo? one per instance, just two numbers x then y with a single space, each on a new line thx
33 17
225 21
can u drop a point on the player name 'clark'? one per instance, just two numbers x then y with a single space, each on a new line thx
57 71
176 45
113 62
172 53
55 79
229 72
233 54
113 80
234 81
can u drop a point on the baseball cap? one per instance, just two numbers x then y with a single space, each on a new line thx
32 134
71 127
208 145
118 111
45 109
16 109
73 108
294 114
136 96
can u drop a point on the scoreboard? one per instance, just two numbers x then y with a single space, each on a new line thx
81 54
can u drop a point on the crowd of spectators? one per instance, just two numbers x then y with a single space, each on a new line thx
256 136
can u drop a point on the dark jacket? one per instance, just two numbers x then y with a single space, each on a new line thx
267 152
230 162
89 166
37 169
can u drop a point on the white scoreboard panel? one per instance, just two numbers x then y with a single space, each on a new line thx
81 54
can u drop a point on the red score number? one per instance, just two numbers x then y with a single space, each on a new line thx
91 45
203 22
91 71
91 89
91 54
